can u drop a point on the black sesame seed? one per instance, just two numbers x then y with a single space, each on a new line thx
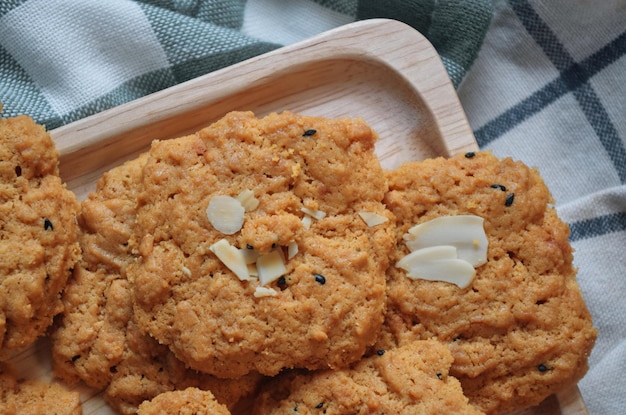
499 186
542 368
509 199
18 171
470 154
248 246
309 133
75 358
319 405
380 352
439 376
320 278
282 282
47 225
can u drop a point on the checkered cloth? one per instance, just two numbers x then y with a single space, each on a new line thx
62 60
540 81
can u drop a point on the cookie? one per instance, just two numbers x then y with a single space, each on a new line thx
191 401
521 330
287 193
90 337
412 379
33 397
151 369
38 232
96 340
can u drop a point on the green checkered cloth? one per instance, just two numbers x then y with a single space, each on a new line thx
62 60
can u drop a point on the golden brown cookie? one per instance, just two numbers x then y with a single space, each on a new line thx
412 379
38 232
90 337
190 401
521 330
151 369
325 307
96 340
32 397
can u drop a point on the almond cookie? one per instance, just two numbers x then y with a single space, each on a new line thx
38 232
33 397
191 401
96 340
254 253
412 379
520 330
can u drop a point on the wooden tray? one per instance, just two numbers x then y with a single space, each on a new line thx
380 70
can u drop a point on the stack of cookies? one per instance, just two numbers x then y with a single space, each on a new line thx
38 250
262 264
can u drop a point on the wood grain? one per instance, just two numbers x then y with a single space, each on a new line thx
380 70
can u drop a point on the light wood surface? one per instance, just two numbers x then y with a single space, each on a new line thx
382 71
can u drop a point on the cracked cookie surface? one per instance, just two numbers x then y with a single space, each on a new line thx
412 379
96 339
38 231
521 331
327 307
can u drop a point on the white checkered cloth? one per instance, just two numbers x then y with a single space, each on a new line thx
546 85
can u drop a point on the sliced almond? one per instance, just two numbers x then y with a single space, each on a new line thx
438 263
247 200
253 271
225 214
232 258
307 221
260 292
292 249
249 255
465 232
436 253
314 213
270 267
372 218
